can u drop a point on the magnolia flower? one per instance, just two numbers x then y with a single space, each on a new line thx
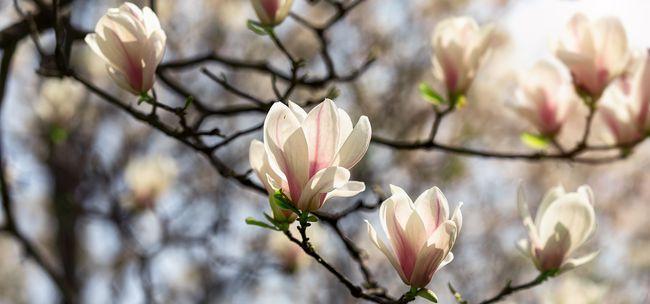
625 104
459 46
59 100
545 97
564 221
131 43
272 12
148 177
421 234
308 156
595 52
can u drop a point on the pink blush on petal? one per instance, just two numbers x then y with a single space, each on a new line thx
271 7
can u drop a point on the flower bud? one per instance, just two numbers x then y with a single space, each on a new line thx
132 44
595 51
564 221
421 234
545 97
625 105
148 178
459 46
272 12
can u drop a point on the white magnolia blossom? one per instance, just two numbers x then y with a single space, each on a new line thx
272 12
59 100
308 155
459 46
625 105
545 97
595 51
421 234
148 177
564 221
132 44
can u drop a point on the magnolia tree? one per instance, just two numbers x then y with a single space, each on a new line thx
308 150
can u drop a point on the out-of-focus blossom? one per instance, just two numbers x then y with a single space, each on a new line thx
421 234
59 100
459 46
564 221
545 97
148 177
625 105
272 12
308 156
595 51
132 44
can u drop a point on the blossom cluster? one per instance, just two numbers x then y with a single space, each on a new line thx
306 158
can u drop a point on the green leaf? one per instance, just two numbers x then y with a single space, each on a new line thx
535 141
257 28
428 294
430 95
282 201
254 222
312 219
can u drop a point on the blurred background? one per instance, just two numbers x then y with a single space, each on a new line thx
128 214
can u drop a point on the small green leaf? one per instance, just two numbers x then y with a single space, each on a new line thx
282 201
430 95
312 219
428 294
255 222
257 28
535 141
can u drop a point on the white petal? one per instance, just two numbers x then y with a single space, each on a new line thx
403 204
551 196
448 259
433 208
524 212
572 212
575 262
610 40
457 217
297 111
587 193
385 250
350 189
345 126
259 163
321 130
356 145
120 80
322 182
278 125
432 255
524 247
296 171
404 250
151 22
